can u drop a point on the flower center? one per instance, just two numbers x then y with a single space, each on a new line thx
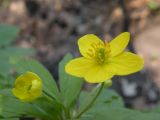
99 51
32 84
29 87
101 55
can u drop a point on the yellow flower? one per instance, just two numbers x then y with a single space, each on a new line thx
102 60
27 87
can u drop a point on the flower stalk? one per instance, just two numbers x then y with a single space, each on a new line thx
89 105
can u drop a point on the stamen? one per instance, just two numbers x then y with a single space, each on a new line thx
90 52
107 48
99 51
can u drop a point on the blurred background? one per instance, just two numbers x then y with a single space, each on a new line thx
52 27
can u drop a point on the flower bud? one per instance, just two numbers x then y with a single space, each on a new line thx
108 83
28 87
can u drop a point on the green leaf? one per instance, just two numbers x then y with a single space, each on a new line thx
156 109
115 111
9 53
87 102
153 5
5 67
11 107
146 116
105 113
8 34
49 84
50 107
9 118
107 98
69 86
3 83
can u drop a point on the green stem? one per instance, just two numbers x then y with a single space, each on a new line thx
67 113
53 100
92 101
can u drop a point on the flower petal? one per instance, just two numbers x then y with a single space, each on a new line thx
99 73
118 44
79 66
28 87
127 63
86 41
19 93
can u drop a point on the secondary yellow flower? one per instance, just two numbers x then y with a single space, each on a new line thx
102 60
27 87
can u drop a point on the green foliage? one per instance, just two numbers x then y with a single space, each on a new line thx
67 101
107 99
8 34
153 5
5 67
5 82
11 107
5 3
49 83
109 106
111 113
69 86
9 119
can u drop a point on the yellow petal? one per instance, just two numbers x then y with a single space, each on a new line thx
127 63
79 66
28 87
36 87
86 41
25 79
19 93
99 73
118 44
